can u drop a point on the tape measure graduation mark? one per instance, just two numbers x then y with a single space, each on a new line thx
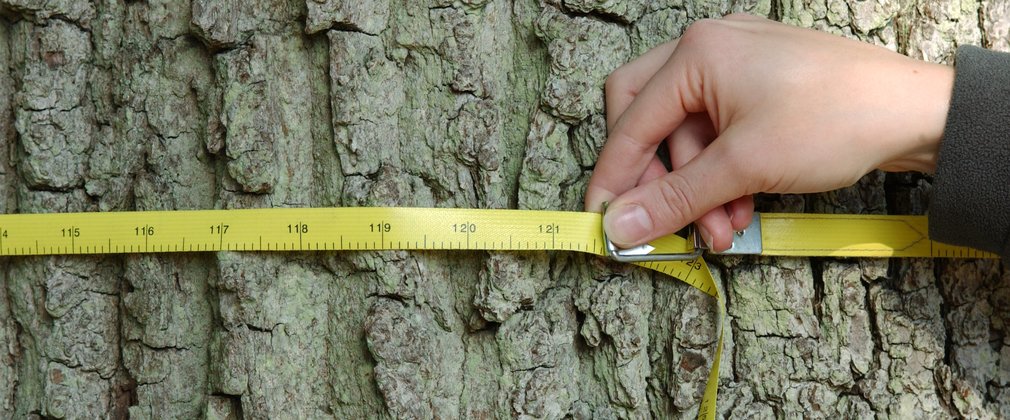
383 228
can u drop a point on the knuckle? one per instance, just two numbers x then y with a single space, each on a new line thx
616 81
675 193
738 16
637 146
701 31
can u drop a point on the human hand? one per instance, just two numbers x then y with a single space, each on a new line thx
748 105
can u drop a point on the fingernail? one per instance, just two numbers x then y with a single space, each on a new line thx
705 236
628 225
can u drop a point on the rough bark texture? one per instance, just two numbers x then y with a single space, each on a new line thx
179 104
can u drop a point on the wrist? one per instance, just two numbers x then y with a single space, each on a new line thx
925 98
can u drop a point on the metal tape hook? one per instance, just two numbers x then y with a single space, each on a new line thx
643 253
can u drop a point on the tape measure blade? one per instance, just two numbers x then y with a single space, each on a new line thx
707 408
697 274
843 235
838 235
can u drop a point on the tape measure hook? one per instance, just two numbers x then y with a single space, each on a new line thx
643 253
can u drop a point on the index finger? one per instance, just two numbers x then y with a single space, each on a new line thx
627 81
656 111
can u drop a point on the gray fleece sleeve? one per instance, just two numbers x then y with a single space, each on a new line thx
970 203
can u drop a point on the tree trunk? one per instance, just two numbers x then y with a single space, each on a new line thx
177 104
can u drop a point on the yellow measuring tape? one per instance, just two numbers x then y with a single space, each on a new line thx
385 228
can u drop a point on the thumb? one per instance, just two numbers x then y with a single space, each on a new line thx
667 204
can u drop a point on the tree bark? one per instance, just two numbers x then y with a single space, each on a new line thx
174 104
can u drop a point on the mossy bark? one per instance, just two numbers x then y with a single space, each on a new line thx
198 104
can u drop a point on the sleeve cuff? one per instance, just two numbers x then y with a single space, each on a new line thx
970 203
